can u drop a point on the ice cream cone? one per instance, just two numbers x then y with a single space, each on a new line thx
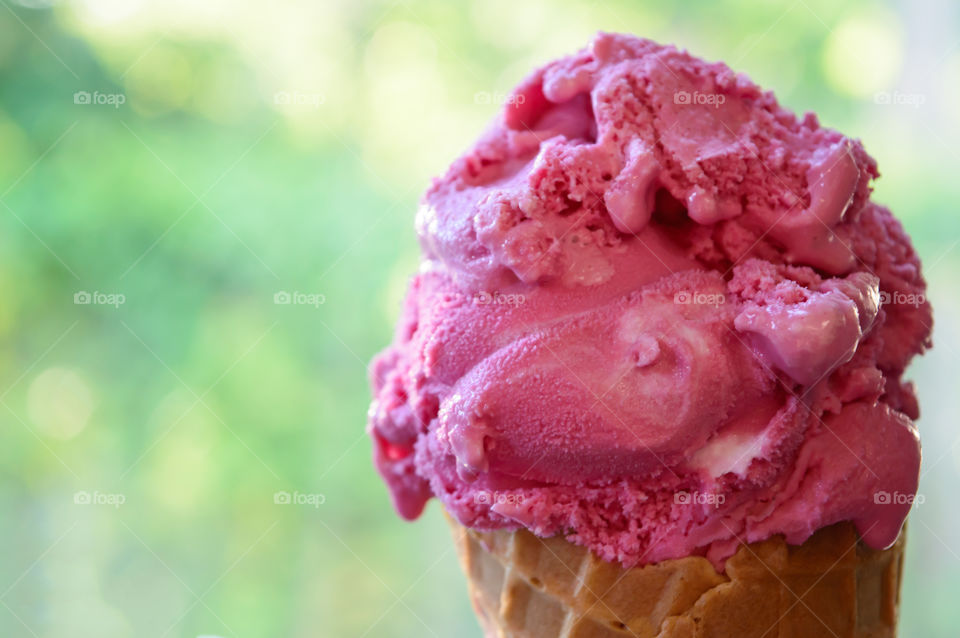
651 298
832 585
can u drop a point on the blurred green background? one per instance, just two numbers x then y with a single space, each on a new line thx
179 165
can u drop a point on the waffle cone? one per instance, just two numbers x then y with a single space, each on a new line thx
831 586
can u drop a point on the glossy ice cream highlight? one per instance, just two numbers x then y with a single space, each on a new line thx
649 317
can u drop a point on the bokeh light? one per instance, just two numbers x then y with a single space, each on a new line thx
864 52
59 402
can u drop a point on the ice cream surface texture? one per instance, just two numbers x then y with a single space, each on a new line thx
657 314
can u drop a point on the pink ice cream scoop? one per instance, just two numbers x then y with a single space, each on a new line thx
659 315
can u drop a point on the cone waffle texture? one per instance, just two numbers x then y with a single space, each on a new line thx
831 586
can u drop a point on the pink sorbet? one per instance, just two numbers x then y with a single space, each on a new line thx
659 315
